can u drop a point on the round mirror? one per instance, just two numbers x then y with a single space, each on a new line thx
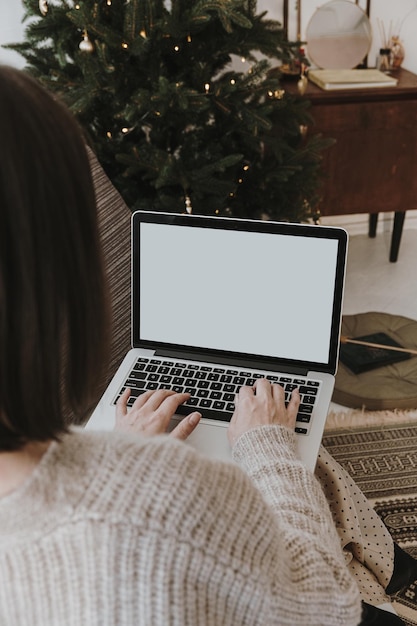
339 35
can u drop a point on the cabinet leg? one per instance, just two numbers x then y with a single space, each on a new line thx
396 235
373 221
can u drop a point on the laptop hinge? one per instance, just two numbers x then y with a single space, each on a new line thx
231 361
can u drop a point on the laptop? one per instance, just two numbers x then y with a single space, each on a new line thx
220 302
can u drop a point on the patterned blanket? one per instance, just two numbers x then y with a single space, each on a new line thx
383 463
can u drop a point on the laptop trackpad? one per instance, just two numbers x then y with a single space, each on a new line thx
209 438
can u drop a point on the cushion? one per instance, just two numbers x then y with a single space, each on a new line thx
389 387
114 224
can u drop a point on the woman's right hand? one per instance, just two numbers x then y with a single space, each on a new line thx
261 405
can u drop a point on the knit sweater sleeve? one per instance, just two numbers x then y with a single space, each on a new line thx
319 578
112 529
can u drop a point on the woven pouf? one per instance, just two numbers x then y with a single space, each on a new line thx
389 387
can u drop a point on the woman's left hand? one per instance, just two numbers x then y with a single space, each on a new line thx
151 413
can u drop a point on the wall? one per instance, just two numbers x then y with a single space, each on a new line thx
11 28
402 12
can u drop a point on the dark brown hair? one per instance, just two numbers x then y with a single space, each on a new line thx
53 309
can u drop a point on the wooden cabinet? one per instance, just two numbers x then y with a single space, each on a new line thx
372 167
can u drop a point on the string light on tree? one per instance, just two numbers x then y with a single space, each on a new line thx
278 94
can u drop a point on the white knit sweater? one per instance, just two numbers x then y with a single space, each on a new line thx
122 531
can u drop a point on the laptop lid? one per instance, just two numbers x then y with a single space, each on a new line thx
260 293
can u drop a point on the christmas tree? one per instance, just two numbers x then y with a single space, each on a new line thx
172 122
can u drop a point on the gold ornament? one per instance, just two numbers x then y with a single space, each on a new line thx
86 44
188 206
302 84
43 7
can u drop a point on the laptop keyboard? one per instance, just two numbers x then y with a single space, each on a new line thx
213 388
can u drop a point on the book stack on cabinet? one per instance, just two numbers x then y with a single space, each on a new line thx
351 79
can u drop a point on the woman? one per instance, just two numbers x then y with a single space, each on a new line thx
110 528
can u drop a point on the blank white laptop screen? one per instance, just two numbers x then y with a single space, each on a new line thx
246 292
233 295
